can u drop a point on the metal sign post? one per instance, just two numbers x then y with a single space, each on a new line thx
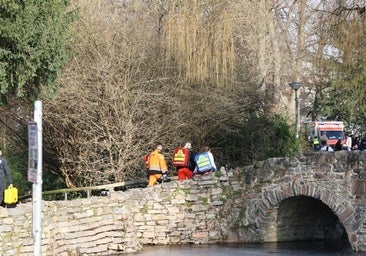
35 173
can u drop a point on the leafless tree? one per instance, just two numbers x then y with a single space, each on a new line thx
118 97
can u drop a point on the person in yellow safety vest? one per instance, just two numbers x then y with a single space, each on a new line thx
316 143
157 165
212 160
205 161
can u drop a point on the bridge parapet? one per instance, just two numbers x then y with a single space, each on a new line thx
249 204
337 180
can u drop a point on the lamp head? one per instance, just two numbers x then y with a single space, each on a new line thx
296 85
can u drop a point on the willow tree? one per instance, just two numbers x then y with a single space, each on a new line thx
199 38
334 55
346 98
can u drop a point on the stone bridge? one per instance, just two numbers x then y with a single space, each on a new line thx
309 197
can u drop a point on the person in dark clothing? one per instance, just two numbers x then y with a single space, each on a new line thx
4 175
355 143
338 146
192 155
363 143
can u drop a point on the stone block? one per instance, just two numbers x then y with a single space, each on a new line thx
178 201
217 203
158 217
358 187
3 212
173 210
200 235
148 235
8 221
192 197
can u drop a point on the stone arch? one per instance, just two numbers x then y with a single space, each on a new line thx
262 213
304 218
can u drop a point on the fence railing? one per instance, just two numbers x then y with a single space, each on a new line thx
82 192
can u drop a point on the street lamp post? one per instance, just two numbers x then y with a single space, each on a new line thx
296 86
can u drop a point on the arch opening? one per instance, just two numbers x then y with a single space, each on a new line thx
304 218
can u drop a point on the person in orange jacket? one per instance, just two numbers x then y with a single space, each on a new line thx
157 165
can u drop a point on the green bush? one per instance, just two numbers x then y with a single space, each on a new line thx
260 137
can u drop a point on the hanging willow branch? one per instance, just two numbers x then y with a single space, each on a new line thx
199 38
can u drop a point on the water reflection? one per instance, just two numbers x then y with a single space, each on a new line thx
329 248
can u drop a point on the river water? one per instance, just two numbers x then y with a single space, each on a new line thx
329 248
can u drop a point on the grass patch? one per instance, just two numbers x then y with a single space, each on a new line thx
144 209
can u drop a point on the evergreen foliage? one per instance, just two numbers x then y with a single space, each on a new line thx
34 40
261 136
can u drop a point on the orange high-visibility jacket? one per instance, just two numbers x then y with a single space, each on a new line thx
157 161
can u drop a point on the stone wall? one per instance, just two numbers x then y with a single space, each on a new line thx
172 213
238 206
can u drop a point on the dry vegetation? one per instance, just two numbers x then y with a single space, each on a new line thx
175 71
120 95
